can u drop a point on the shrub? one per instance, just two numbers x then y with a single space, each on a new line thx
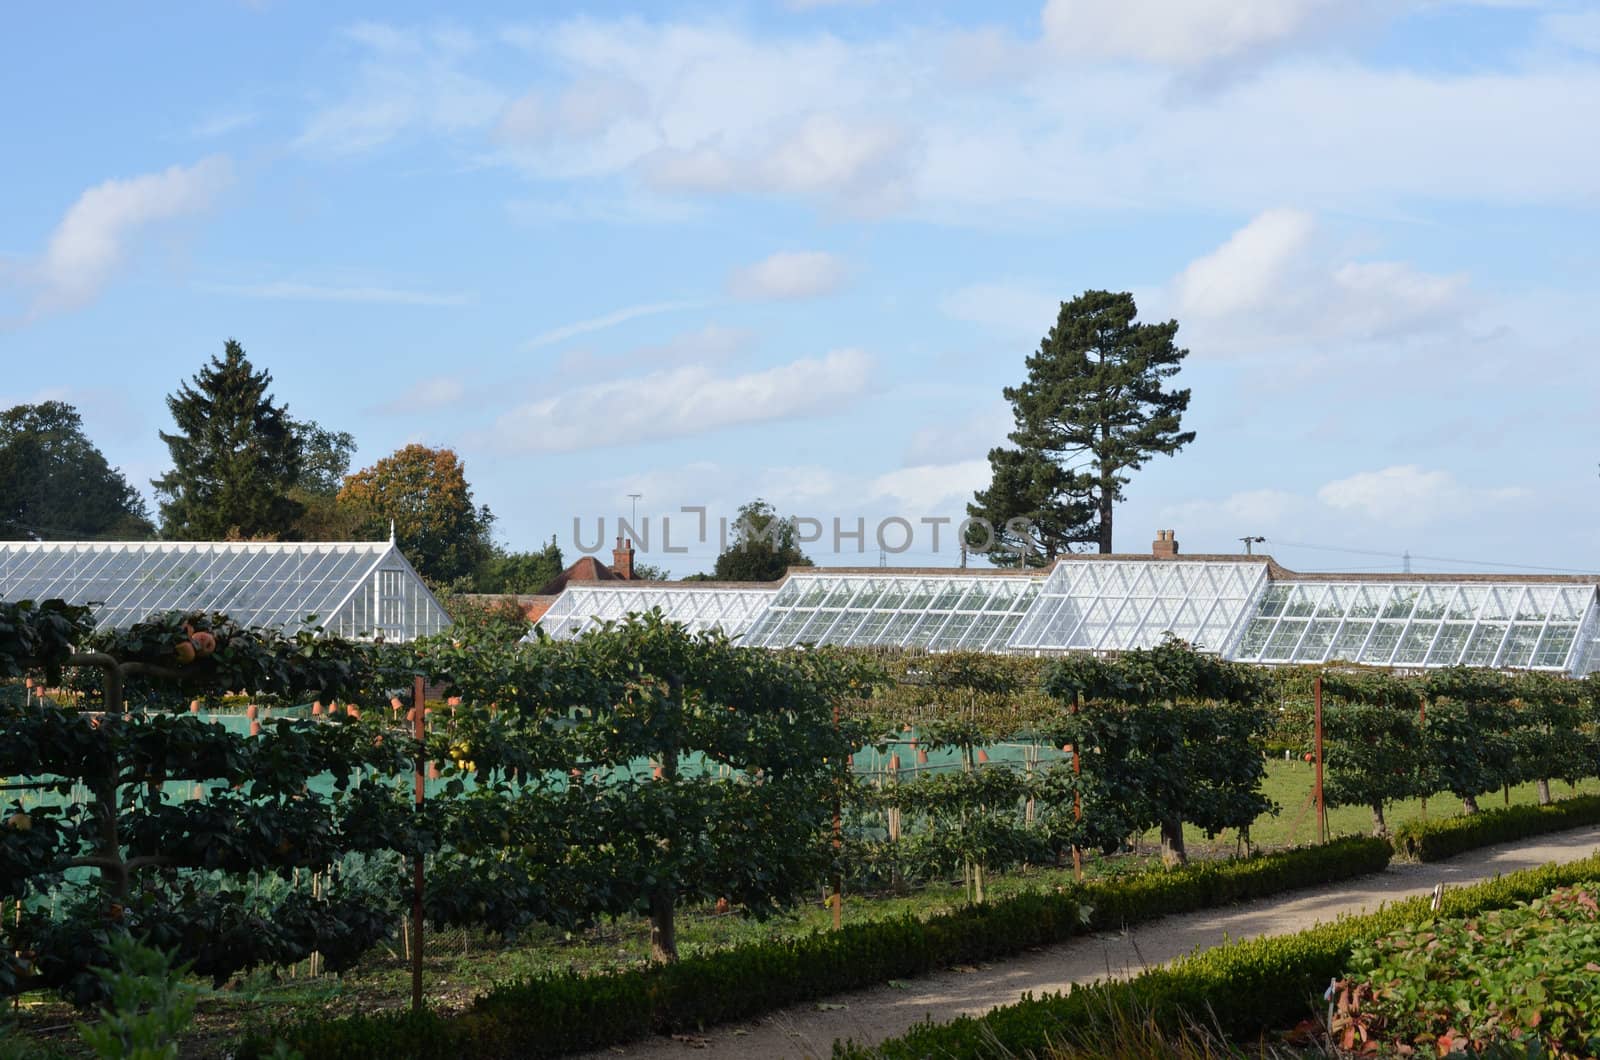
550 1015
1523 976
1248 988
1445 837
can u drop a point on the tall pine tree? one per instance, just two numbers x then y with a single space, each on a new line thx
235 457
1093 408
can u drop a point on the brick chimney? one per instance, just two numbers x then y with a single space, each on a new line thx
1165 545
622 559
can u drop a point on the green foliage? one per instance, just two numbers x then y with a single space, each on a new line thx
1249 988
518 572
1370 756
162 866
551 1015
149 1005
1440 838
40 635
324 457
765 546
235 456
1094 407
55 485
1165 736
1515 976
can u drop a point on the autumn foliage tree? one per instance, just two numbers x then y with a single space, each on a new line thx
424 492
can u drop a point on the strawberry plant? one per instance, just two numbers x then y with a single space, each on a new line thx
1515 976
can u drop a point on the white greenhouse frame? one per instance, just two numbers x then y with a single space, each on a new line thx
1421 624
355 589
1242 608
939 612
581 608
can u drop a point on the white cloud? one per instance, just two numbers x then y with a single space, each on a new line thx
1408 495
1575 29
963 438
97 231
405 80
788 275
608 320
223 124
858 166
1278 283
1180 33
286 290
1240 275
683 401
1246 512
929 487
427 395
1008 308
711 344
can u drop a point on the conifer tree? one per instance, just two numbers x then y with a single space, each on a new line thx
235 456
1093 408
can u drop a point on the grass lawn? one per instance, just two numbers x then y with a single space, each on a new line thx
1290 784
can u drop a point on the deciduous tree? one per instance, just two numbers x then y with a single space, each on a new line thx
425 493
55 485
764 547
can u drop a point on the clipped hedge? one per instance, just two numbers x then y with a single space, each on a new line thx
1446 837
551 1015
1249 988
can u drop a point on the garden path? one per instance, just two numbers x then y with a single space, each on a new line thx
807 1031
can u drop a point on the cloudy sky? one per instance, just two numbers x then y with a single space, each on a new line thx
796 249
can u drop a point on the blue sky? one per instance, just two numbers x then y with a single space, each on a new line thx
705 252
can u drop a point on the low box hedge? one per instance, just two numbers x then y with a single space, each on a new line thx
1448 836
1246 988
555 1014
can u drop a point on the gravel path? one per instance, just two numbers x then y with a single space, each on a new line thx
884 1012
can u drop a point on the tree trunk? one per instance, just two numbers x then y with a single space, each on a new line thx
1380 827
663 926
1106 505
1172 852
1544 791
663 899
1469 804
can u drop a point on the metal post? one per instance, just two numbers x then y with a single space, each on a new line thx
1077 796
419 731
838 831
1322 812
1422 738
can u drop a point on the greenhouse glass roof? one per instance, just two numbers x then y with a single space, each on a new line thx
1118 605
1243 608
939 612
356 589
581 608
1423 624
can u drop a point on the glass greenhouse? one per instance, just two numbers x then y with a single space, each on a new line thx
582 607
1244 608
1120 605
1413 623
940 612
355 589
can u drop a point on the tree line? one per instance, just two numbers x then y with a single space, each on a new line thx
245 469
